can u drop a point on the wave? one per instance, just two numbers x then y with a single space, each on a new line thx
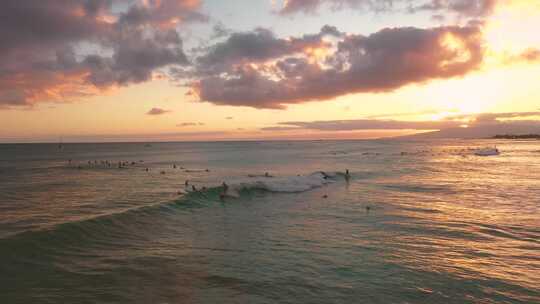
188 199
285 184
290 184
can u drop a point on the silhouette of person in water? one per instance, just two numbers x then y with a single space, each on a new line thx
347 175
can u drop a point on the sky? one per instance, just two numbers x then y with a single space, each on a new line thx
166 70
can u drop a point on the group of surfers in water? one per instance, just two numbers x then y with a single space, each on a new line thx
225 188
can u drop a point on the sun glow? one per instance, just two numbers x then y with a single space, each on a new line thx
455 47
508 30
317 54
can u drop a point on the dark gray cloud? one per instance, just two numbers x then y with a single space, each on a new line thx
381 62
55 50
157 111
467 8
162 13
258 45
135 58
312 6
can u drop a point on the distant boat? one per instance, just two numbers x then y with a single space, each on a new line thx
487 152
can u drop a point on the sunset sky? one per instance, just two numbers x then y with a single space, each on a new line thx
142 70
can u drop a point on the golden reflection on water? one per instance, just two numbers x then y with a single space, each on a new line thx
479 223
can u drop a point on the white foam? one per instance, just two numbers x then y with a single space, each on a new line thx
288 184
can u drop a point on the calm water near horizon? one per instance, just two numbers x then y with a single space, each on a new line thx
417 222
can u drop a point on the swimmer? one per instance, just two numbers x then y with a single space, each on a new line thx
325 196
347 175
325 176
225 187
193 188
174 166
146 169
186 183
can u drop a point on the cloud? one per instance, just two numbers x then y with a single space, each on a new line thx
255 46
531 55
451 122
365 124
262 71
494 117
190 124
312 6
467 8
59 50
157 111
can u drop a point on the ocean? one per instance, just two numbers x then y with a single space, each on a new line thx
414 222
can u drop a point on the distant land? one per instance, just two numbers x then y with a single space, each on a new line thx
482 131
514 136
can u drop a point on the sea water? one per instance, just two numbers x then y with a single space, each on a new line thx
415 222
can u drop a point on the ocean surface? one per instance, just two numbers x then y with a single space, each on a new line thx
416 222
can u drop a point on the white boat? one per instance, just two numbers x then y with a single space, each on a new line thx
487 152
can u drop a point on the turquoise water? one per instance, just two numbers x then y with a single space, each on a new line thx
417 222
